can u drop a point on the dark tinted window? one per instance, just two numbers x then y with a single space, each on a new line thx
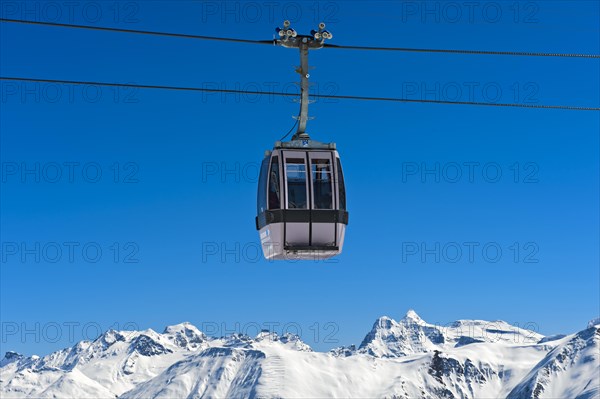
262 186
296 181
274 187
341 186
321 177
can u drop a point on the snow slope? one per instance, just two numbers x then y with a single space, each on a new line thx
408 358
570 370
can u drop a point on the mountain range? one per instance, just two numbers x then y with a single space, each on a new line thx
408 358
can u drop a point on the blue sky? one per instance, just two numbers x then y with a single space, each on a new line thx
173 208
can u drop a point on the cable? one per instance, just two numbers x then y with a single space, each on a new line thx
139 32
271 42
293 126
423 50
284 94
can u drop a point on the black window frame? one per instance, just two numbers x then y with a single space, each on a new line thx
317 187
341 186
274 167
297 161
261 200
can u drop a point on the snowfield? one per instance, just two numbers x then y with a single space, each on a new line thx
408 358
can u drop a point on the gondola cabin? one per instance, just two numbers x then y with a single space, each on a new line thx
301 201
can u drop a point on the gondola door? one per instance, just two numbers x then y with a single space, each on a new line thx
323 201
296 200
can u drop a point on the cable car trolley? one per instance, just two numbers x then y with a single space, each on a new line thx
301 211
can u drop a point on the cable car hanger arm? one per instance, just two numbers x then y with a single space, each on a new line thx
290 39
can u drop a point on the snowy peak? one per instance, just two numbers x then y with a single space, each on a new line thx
384 323
146 346
293 341
237 340
108 339
290 341
474 331
112 336
186 328
266 335
594 322
185 335
411 335
10 357
412 317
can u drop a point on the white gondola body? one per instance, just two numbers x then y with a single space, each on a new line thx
301 202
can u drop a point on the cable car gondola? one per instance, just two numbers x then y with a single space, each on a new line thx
301 210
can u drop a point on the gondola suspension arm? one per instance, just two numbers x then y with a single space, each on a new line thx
290 39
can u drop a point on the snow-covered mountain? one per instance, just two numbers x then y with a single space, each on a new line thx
412 335
575 359
408 358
